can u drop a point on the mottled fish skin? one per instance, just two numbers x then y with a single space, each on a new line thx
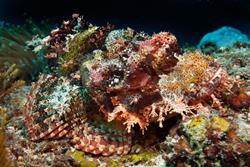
47 121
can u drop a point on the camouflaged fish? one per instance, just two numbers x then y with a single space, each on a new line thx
56 109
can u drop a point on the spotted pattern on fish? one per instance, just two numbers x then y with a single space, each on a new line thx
56 109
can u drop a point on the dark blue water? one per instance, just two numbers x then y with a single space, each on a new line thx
188 20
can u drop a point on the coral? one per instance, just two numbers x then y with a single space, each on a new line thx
197 128
223 37
9 84
220 123
235 60
157 161
16 100
220 142
243 129
145 156
104 86
3 117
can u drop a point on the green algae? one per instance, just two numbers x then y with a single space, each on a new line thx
80 157
220 124
142 157
196 129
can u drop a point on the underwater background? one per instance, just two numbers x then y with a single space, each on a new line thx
125 83
188 20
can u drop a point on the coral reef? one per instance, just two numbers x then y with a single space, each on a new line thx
236 60
109 97
209 140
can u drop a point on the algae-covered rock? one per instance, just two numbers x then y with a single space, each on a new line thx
219 123
236 61
80 157
157 161
243 130
196 129
210 140
142 157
